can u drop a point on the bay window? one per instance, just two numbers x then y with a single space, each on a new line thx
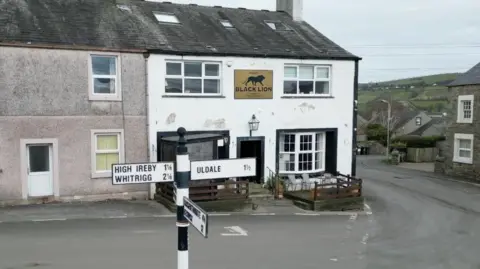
302 152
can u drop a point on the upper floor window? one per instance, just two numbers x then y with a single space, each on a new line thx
192 78
104 77
307 79
418 121
465 109
302 152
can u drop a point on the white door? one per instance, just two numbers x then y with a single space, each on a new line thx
39 170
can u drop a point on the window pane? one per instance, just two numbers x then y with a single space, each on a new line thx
193 86
319 141
290 87
306 142
173 85
306 87
104 65
107 142
174 69
104 161
290 72
305 162
322 72
322 87
306 72
39 158
212 70
464 143
192 69
287 143
104 85
287 162
318 161
211 86
464 153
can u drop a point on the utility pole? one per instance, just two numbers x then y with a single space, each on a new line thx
389 116
182 179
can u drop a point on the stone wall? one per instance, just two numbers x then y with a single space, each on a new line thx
448 167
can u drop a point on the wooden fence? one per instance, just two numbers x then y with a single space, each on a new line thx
209 190
345 187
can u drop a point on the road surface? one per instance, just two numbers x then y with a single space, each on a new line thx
420 221
146 243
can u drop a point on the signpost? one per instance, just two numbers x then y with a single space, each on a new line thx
187 211
136 173
225 168
196 216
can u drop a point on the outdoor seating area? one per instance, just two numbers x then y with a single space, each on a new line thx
294 182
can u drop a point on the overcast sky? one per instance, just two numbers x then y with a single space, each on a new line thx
446 32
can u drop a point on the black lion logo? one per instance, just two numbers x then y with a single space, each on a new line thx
254 80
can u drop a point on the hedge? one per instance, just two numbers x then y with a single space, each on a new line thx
419 141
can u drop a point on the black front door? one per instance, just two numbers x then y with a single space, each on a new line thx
252 147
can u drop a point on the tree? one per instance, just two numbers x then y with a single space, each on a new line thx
376 132
383 120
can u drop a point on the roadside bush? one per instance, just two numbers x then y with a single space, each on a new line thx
418 141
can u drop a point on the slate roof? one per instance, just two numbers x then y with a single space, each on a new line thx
471 77
101 23
435 122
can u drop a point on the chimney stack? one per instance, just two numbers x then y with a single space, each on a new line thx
292 7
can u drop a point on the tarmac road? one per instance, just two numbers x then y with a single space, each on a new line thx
420 221
146 243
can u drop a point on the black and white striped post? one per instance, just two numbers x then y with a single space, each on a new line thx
182 178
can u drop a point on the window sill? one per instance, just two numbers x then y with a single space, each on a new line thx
462 160
465 121
105 98
192 96
101 175
307 96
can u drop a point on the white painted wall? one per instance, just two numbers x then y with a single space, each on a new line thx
197 114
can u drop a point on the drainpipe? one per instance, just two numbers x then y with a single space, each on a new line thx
146 55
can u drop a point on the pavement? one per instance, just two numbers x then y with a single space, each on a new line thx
413 219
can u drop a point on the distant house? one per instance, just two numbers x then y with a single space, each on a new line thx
460 153
409 122
434 127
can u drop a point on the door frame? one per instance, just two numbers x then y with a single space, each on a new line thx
23 164
241 139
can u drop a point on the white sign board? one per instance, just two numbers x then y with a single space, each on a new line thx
196 216
136 173
226 168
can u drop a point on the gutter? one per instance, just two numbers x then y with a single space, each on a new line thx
68 47
251 55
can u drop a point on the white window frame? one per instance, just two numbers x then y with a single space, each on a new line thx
203 77
117 96
297 152
418 121
298 79
460 112
456 149
163 17
121 150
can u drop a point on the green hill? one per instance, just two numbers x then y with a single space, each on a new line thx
425 93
